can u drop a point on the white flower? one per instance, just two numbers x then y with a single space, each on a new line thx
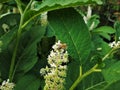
6 85
42 71
88 16
114 44
56 72
53 65
89 12
62 67
85 19
57 45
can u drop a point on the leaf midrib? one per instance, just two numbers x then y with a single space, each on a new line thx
68 32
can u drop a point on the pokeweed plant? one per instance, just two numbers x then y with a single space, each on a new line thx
28 37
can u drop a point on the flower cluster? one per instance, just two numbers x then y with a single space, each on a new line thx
6 85
55 73
114 44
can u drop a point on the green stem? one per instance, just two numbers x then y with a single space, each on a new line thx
80 78
93 69
15 51
13 60
108 54
80 70
19 3
11 71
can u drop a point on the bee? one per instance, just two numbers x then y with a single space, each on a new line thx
62 46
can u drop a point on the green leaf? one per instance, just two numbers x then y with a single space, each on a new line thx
7 38
70 28
5 54
47 5
98 1
105 86
98 86
105 35
75 35
29 42
99 47
28 82
105 29
56 4
112 73
113 86
28 59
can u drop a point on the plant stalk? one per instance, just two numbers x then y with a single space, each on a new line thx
15 50
93 69
80 78
11 71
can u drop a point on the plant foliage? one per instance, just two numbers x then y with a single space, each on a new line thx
30 29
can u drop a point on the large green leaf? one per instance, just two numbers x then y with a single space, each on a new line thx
28 82
29 42
105 31
7 39
63 3
75 35
113 86
70 28
5 54
49 5
99 43
112 73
